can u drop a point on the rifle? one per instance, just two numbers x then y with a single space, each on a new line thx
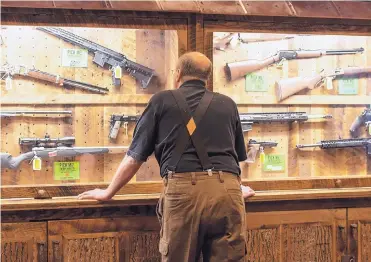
290 86
103 55
363 119
47 142
8 161
248 119
10 71
342 143
251 154
226 41
29 113
239 69
116 122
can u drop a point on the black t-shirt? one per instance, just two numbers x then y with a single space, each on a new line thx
158 129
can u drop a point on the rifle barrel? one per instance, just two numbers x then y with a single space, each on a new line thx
13 113
309 145
345 51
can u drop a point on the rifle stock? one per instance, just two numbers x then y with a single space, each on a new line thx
290 86
239 69
8 161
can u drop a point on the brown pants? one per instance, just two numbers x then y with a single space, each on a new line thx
202 213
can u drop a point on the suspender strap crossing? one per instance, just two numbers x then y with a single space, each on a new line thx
191 132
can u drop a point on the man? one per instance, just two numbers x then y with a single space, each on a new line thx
198 141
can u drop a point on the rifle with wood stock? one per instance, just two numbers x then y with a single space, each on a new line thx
239 69
8 71
288 87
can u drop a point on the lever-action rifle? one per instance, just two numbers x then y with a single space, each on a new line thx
8 161
10 71
248 119
239 69
252 150
47 142
116 122
38 113
105 56
342 143
290 86
363 119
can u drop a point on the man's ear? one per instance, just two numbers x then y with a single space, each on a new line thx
177 75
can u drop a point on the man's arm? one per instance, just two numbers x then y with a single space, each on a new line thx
126 170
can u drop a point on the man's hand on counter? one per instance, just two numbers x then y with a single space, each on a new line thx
247 191
96 194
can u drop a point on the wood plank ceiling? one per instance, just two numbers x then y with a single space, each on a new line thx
319 9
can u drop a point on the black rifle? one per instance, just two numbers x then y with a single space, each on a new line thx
47 142
248 119
116 122
38 113
342 143
8 161
104 55
252 152
363 119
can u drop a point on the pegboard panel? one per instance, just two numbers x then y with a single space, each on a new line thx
311 162
238 51
91 113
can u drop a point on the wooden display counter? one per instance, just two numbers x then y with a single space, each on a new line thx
299 224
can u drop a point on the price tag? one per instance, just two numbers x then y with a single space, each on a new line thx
369 129
8 83
348 86
117 71
67 170
36 163
255 83
74 57
274 163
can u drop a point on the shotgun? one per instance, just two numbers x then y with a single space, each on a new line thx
291 86
239 69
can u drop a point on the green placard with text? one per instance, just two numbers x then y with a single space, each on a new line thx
67 170
348 86
74 57
274 163
255 83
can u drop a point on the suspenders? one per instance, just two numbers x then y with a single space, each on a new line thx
190 132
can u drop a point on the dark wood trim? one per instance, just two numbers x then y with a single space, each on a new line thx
150 210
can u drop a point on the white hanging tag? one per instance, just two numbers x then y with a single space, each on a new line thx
8 83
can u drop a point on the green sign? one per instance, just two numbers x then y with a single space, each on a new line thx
348 86
274 163
75 58
67 170
255 83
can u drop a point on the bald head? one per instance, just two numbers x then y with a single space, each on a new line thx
193 65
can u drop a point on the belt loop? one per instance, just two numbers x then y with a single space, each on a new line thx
170 174
193 178
210 172
221 177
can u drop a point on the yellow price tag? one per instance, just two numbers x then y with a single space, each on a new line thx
36 163
118 71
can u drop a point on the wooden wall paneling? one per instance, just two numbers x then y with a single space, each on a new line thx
276 8
294 235
131 238
359 243
24 241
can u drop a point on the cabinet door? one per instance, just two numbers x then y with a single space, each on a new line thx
116 239
23 242
360 233
295 236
